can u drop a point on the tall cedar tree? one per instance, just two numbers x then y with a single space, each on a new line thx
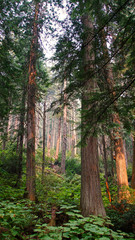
91 199
30 164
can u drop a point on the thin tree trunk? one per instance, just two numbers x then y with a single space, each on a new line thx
111 155
30 164
64 137
121 170
58 139
5 133
44 130
105 166
73 148
21 134
91 199
133 166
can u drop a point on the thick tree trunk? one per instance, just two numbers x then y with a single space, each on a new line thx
44 130
64 137
58 139
30 164
91 199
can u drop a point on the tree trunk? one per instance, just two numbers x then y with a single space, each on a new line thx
121 170
58 139
91 199
73 133
44 130
21 133
111 156
64 137
5 132
105 166
30 164
133 166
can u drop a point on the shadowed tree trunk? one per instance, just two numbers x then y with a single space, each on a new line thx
91 199
105 166
30 164
21 133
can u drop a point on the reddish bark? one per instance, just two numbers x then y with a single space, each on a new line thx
133 166
30 164
91 199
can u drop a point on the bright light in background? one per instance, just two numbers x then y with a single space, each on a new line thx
49 43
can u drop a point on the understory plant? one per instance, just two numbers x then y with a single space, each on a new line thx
79 227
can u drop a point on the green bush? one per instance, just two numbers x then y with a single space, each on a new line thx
79 227
73 166
122 216
9 158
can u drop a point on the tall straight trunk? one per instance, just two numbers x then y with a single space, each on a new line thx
121 170
105 167
49 145
44 130
53 133
9 125
64 137
111 155
133 166
30 164
21 133
37 121
58 139
73 148
5 133
91 199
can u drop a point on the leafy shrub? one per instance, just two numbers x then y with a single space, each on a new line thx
9 158
73 166
15 218
122 216
79 227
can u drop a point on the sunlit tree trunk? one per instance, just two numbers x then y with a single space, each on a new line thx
91 199
133 166
30 164
64 136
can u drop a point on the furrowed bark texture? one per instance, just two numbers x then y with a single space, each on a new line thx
91 199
